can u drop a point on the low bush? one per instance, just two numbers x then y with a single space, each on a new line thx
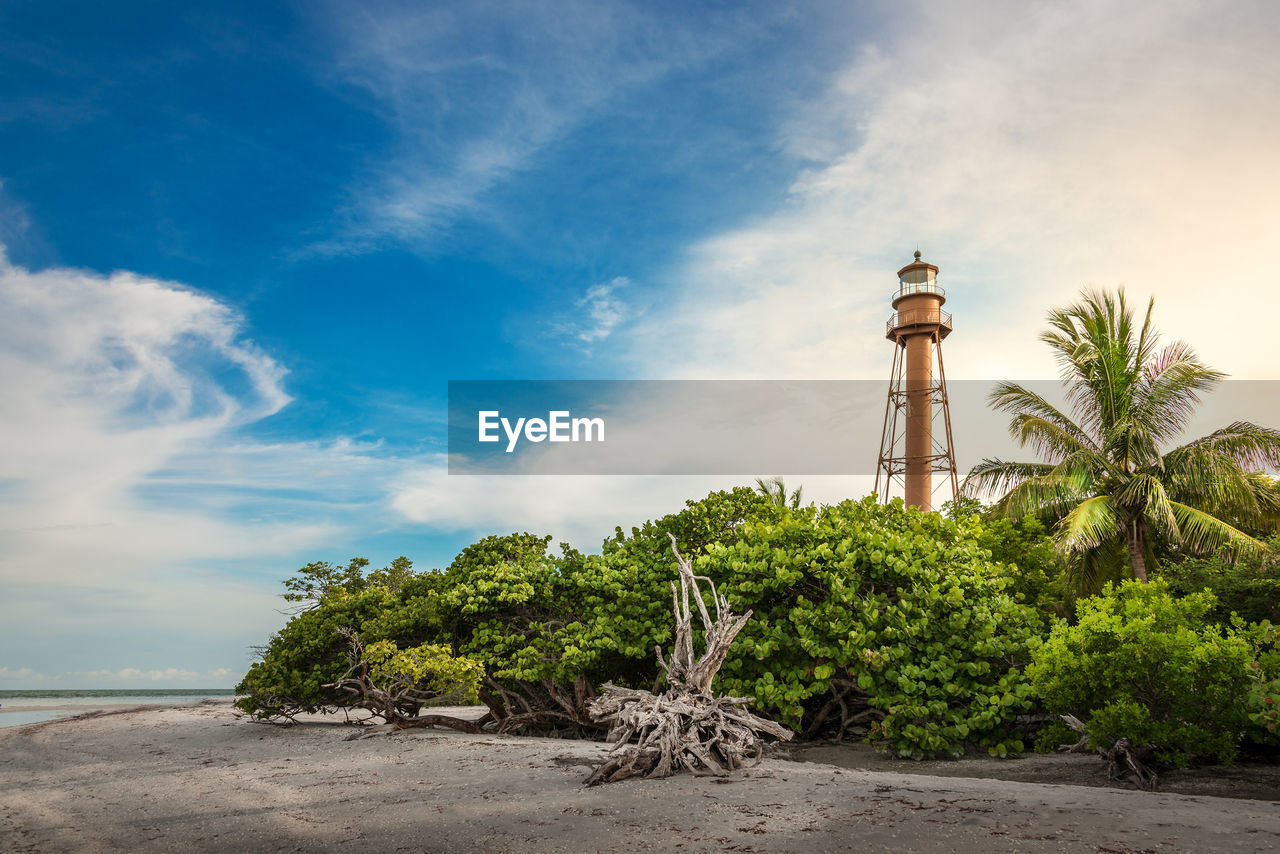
867 618
862 604
1262 703
1144 665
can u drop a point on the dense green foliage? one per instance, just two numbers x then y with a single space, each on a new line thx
1248 586
308 653
1144 665
903 607
429 669
530 616
910 627
1262 704
855 604
1036 569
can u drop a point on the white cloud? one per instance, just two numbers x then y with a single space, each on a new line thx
169 674
1031 149
603 309
108 379
127 481
21 674
596 314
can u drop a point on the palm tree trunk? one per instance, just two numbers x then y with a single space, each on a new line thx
1136 534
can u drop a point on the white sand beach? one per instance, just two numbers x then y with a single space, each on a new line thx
200 779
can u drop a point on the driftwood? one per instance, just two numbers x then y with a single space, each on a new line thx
1124 760
396 701
685 727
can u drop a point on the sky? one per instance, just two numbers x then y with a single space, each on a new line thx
245 247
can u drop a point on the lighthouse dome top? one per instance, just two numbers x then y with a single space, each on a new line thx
918 277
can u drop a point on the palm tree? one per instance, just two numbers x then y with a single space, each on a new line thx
1104 478
774 488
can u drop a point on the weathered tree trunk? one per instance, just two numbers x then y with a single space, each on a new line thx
548 705
396 703
685 727
1124 760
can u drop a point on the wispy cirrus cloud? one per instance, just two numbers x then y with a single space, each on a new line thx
471 94
596 314
603 310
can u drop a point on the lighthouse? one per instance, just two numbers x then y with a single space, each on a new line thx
912 447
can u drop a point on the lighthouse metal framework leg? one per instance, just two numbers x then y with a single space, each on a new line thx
889 432
894 458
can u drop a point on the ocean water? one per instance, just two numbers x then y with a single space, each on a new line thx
18 708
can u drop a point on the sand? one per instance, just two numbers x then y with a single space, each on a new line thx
199 779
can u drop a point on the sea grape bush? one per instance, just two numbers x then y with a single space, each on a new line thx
900 611
1145 665
528 615
309 653
1262 704
904 606
1036 570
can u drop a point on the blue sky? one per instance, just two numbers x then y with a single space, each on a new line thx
246 247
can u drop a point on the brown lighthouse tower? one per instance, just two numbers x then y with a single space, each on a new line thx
911 450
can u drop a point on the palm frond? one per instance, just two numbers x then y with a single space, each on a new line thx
1146 338
1131 445
1201 475
1023 403
1089 524
1044 438
1170 388
1251 446
1093 341
996 476
1266 494
1053 494
1145 494
1203 534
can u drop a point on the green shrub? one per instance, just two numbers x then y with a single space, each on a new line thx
882 606
530 616
1262 704
1248 587
1143 664
308 653
903 606
1023 547
429 669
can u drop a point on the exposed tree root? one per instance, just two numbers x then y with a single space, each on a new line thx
685 727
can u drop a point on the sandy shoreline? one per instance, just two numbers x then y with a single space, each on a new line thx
95 707
198 779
